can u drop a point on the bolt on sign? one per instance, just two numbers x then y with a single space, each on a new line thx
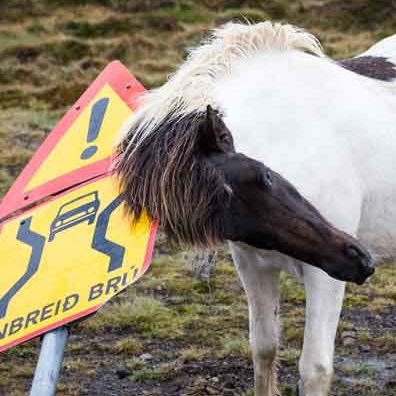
65 246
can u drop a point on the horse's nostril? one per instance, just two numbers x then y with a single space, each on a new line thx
361 257
354 252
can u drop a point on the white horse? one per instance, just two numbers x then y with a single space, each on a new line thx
327 127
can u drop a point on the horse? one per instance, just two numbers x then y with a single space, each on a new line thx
325 126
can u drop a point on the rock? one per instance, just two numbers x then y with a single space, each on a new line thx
348 337
348 341
146 356
211 391
122 372
349 334
364 348
229 385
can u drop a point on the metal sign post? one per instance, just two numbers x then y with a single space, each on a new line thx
49 363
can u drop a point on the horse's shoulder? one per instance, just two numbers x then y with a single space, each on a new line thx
378 67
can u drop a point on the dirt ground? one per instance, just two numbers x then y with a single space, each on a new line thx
176 335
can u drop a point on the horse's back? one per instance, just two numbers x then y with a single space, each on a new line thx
378 62
376 228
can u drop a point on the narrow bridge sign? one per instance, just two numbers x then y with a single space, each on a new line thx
65 246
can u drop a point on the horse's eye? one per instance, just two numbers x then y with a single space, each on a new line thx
268 177
265 179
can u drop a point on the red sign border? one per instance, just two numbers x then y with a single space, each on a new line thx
145 267
126 86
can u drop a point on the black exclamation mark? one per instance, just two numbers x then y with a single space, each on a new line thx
95 123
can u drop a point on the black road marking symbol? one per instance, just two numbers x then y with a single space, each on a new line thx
100 243
36 241
95 123
76 211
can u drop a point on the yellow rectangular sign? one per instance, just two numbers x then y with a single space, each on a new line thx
65 259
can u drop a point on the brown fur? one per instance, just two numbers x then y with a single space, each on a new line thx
167 175
371 66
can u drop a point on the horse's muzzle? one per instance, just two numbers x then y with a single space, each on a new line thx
363 262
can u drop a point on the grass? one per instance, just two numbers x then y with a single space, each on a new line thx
182 332
193 353
146 315
128 346
234 346
155 374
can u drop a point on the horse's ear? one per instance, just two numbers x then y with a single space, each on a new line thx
214 136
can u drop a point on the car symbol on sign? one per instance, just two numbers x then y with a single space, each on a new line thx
74 212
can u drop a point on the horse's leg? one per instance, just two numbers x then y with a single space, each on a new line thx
324 297
261 284
341 204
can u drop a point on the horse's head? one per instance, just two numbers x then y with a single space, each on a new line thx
264 210
188 176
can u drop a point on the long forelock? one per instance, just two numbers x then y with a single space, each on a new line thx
190 89
166 176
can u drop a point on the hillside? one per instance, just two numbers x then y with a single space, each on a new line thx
174 334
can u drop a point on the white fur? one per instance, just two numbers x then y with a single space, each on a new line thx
330 132
385 48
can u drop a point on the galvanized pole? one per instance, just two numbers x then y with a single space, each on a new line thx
49 363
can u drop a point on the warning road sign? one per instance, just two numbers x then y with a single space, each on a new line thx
65 247
80 146
66 258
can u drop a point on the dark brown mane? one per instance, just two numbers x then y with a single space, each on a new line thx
166 175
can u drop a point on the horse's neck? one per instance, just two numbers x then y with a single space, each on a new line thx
310 119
